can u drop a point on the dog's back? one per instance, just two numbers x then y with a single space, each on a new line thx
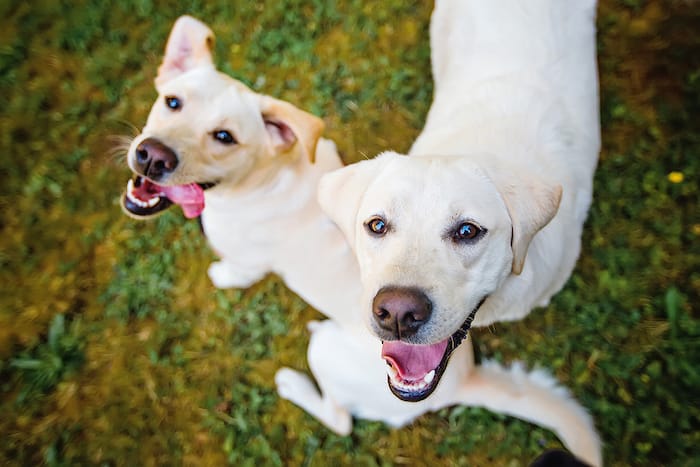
473 40
509 57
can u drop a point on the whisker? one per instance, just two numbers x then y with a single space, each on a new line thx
132 128
118 147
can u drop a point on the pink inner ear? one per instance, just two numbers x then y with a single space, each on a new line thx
177 59
282 136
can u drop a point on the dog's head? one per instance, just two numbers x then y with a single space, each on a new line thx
434 237
206 128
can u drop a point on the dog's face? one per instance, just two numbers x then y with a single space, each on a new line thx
434 237
206 129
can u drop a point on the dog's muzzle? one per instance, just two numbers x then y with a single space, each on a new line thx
414 371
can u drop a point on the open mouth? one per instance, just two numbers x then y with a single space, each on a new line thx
414 371
144 198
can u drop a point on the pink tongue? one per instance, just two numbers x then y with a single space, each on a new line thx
413 362
189 197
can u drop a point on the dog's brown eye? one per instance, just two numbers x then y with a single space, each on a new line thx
224 137
376 225
467 231
173 103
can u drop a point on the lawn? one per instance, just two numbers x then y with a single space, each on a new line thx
115 348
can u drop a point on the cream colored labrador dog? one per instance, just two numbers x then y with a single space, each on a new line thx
245 163
482 222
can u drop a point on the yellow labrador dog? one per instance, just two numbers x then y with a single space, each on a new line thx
247 163
250 166
482 222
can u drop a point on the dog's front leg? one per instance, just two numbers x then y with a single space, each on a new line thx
226 274
299 389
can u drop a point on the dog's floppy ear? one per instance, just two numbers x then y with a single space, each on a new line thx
340 192
288 125
189 46
531 204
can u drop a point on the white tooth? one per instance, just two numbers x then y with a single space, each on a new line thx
429 377
391 371
132 198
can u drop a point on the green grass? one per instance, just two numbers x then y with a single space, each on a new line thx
115 349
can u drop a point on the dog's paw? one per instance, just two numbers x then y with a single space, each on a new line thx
225 276
294 386
298 388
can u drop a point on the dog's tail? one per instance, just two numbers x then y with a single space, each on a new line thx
536 397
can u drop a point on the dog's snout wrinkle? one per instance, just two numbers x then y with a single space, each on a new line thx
154 159
401 310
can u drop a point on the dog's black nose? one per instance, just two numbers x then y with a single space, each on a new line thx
154 159
401 310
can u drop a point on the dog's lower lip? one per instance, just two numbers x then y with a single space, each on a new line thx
206 186
418 392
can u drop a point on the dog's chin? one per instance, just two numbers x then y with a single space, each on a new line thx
412 384
144 199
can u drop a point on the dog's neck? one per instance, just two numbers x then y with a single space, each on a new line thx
258 223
